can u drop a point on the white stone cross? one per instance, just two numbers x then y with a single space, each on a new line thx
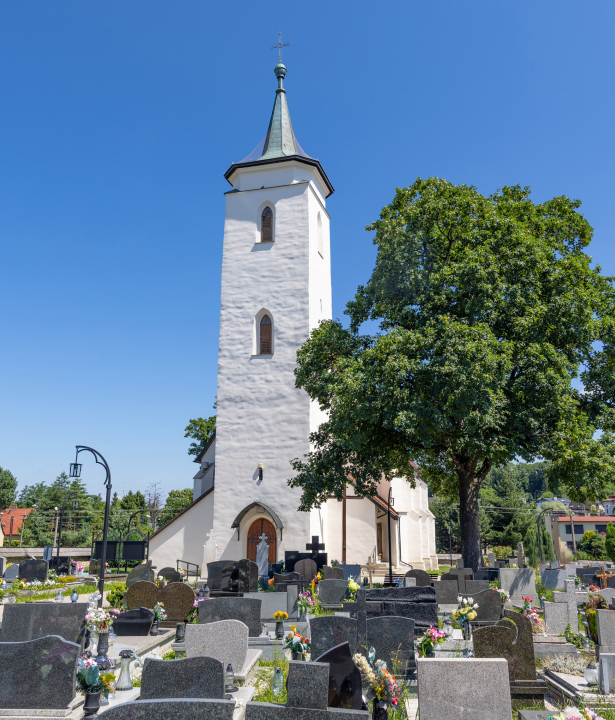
264 537
573 599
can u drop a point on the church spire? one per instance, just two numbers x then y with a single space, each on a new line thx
280 140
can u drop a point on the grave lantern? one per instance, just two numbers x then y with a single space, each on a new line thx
75 470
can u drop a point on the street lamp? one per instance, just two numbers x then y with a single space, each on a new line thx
75 472
75 506
390 558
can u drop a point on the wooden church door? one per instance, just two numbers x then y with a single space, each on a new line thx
258 527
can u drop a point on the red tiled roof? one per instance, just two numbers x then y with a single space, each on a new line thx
588 519
18 515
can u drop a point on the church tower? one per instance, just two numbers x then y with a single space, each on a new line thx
276 287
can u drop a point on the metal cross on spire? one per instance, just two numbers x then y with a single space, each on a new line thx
279 46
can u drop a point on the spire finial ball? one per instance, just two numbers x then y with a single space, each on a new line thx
280 70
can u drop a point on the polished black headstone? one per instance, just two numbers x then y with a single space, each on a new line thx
134 622
332 573
33 570
393 640
344 678
239 576
191 677
170 574
60 564
293 556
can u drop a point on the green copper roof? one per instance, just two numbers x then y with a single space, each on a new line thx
280 139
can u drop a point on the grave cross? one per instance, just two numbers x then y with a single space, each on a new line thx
370 567
358 609
279 46
263 537
315 546
603 577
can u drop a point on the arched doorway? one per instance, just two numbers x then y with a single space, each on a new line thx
258 527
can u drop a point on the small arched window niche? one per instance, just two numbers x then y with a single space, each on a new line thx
263 333
266 224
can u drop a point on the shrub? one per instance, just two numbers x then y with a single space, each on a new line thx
115 596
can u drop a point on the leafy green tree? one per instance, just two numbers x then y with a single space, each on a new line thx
507 504
547 544
593 544
133 501
200 430
8 488
488 308
177 500
610 541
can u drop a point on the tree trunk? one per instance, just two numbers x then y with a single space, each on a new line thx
469 521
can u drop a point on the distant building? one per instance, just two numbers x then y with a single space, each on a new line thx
560 527
11 521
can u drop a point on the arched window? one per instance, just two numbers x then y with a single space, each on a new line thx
267 225
321 243
265 335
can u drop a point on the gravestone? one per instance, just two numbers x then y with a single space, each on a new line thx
61 564
510 638
409 582
141 572
2 565
393 640
606 673
32 569
605 619
490 574
554 579
29 621
351 571
518 582
281 580
172 709
332 573
459 563
331 593
38 673
307 688
608 594
329 631
417 603
177 598
226 641
237 576
447 592
171 575
462 573
344 679
246 610
94 567
573 599
520 555
556 618
491 559
422 578
490 607
262 557
190 677
133 622
452 688
307 569
473 587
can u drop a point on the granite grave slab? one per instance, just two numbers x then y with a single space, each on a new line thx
190 677
556 618
226 641
393 639
33 569
332 573
177 598
422 578
136 622
460 689
329 631
605 619
233 576
45 665
143 572
246 610
344 678
331 593
554 579
29 621
11 573
307 568
351 571
518 582
172 709
170 574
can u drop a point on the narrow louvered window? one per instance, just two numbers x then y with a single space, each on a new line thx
265 335
267 225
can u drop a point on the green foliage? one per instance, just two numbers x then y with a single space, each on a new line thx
489 309
8 488
177 500
547 543
542 590
115 596
593 544
530 546
200 430
610 541
169 655
576 639
508 511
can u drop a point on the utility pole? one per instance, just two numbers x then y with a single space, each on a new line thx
11 532
55 534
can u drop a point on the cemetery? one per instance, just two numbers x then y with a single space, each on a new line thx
249 641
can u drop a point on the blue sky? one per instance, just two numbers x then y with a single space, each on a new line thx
119 120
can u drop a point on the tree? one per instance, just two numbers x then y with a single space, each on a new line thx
531 546
8 488
177 500
509 512
488 309
610 541
201 430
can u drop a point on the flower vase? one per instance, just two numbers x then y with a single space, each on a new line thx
103 646
154 629
124 681
92 703
301 614
296 656
467 631
279 629
380 709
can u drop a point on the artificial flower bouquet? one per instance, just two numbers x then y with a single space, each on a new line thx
378 681
296 643
432 637
280 615
159 612
573 713
161 582
304 601
527 603
505 596
594 588
466 610
352 588
99 620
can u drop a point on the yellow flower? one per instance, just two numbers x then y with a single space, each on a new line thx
280 615
472 615
293 628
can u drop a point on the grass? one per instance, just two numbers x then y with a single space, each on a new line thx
263 679
80 590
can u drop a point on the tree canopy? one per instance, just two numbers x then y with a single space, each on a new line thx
488 310
8 488
200 430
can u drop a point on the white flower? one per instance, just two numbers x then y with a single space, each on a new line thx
475 606
459 598
470 601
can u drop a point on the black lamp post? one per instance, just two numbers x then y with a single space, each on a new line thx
390 557
62 518
75 472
